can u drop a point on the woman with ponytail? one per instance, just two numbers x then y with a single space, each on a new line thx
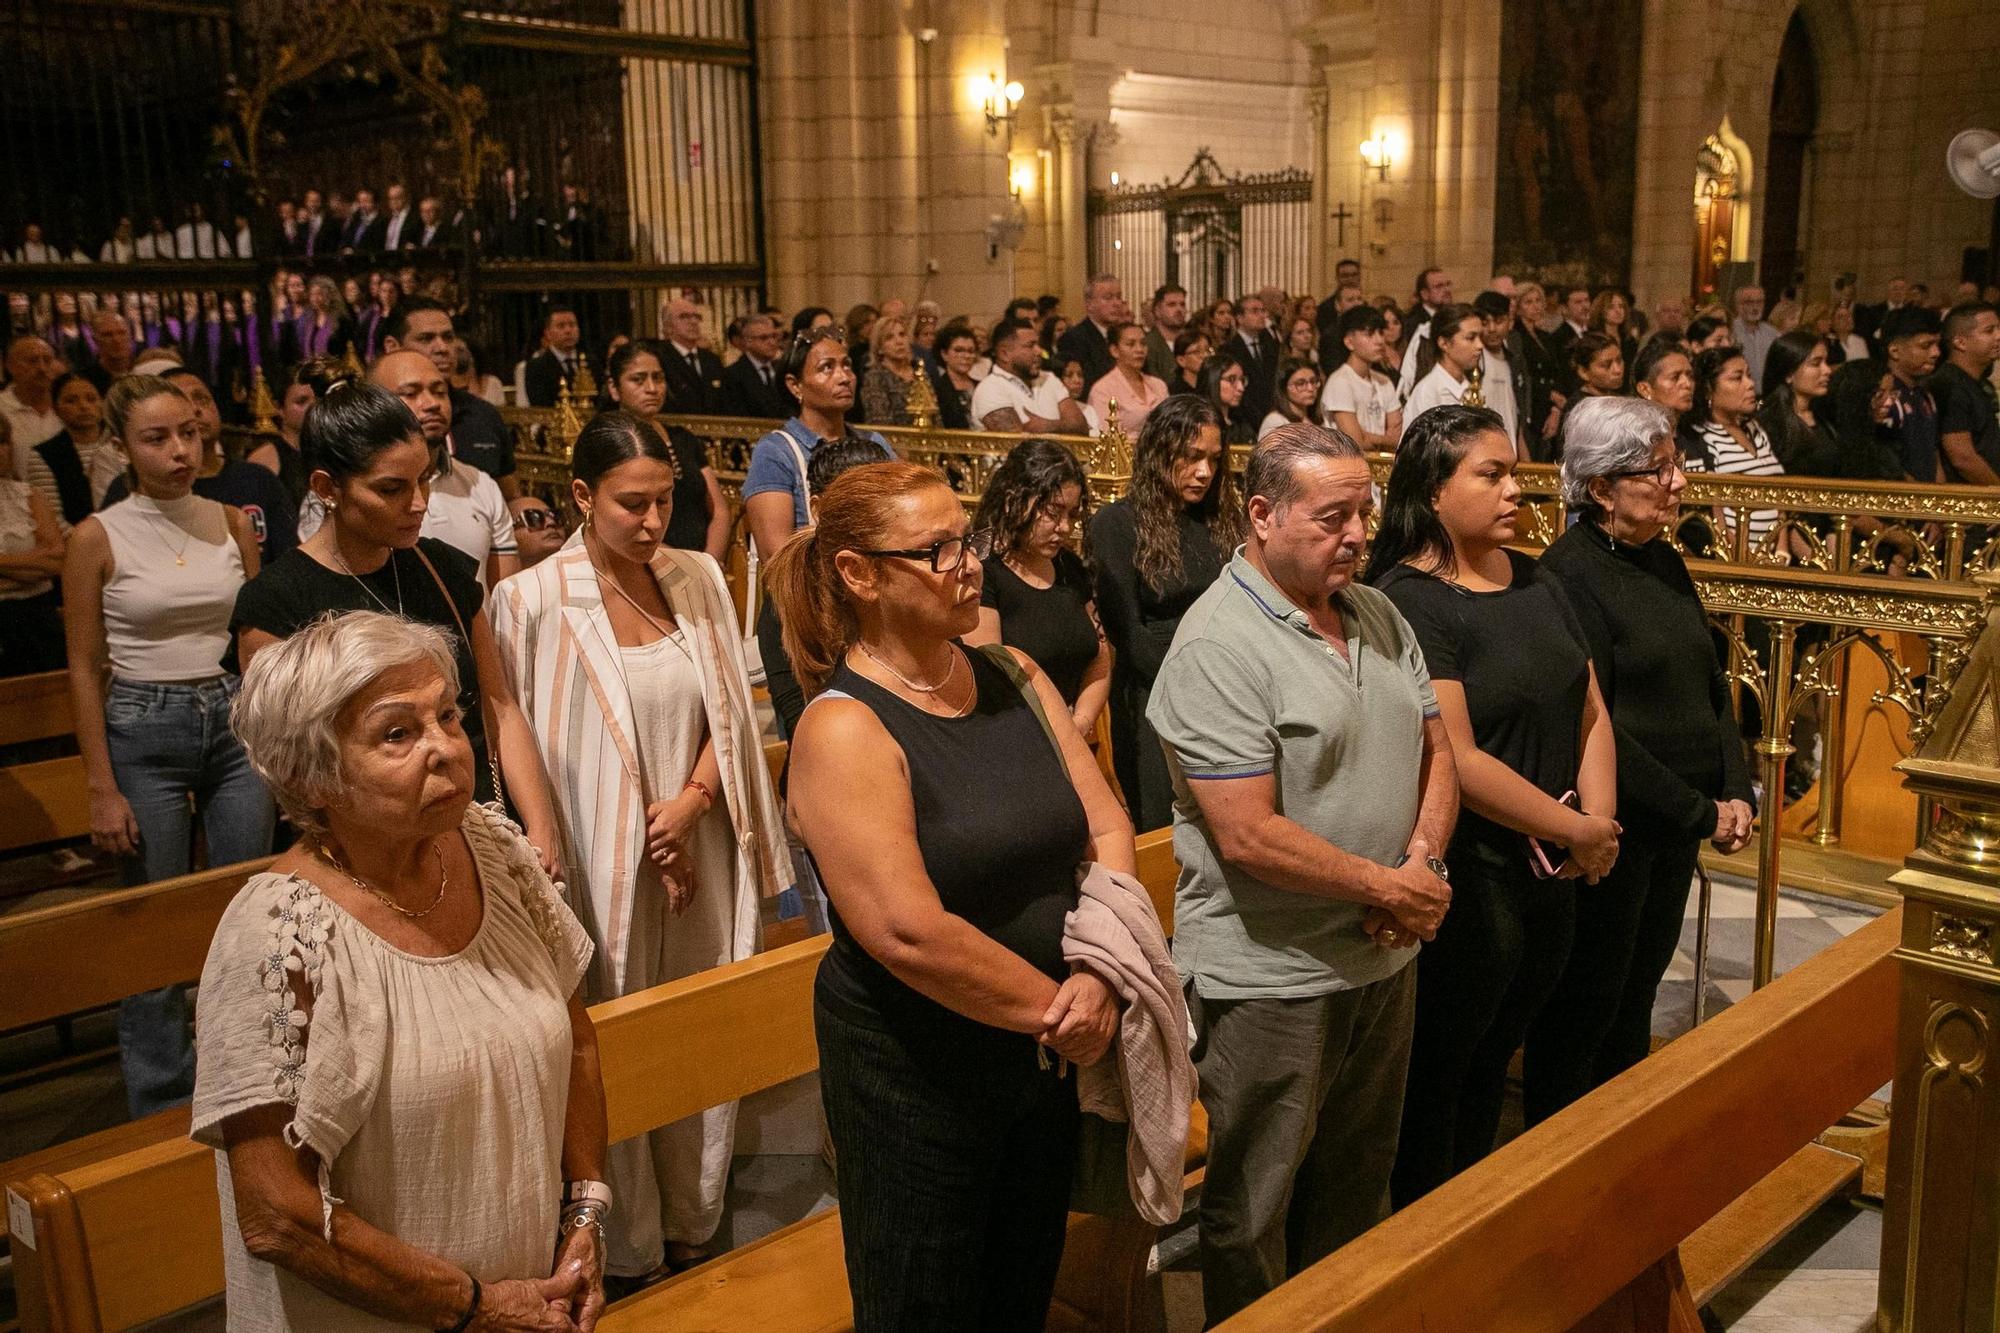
947 802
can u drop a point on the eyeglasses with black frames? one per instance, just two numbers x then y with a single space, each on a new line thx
948 554
1662 474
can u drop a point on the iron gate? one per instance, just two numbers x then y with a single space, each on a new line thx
1214 234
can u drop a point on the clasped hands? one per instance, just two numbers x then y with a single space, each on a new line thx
568 1300
667 825
1733 820
1082 1019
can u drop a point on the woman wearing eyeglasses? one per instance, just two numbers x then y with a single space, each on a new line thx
1537 777
1682 776
944 999
624 653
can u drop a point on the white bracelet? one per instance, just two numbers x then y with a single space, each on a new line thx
588 1191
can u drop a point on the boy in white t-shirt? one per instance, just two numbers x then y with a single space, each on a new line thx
1359 399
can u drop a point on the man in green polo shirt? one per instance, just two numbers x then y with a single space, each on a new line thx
1313 784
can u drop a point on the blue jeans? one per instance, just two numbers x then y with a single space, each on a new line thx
174 757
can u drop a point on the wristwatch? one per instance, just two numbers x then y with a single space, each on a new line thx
1436 865
587 1191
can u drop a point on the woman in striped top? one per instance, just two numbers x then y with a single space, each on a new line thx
1722 434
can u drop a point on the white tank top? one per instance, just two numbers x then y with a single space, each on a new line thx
175 572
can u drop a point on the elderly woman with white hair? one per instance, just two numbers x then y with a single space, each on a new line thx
1682 777
393 1062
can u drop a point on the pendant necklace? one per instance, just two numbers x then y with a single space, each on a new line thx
394 573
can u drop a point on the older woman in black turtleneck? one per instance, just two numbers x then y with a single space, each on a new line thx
1681 771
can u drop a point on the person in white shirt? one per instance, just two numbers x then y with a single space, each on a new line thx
1458 342
1752 334
1499 385
1358 399
467 510
197 238
27 403
1017 396
157 243
35 250
402 222
1434 289
1297 396
119 249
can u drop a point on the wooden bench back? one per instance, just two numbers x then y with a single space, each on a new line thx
98 950
75 956
1563 1218
96 1259
35 708
45 801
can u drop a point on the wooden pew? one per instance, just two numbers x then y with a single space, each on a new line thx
35 708
1582 1220
46 801
94 1261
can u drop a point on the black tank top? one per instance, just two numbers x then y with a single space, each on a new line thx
1001 832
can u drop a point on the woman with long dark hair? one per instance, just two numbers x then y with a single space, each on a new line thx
1797 375
370 469
1611 315
1037 595
1721 433
1154 552
701 518
1221 384
1297 398
626 657
1191 351
1536 767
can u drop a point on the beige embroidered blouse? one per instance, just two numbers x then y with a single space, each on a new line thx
433 1090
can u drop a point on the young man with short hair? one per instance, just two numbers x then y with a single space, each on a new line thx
1358 399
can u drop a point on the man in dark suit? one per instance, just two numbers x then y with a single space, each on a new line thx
399 228
1087 341
555 365
1868 318
366 228
515 231
433 232
316 231
752 385
1254 347
694 374
291 235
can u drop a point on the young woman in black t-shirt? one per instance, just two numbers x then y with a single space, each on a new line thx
701 513
1528 728
1037 595
366 460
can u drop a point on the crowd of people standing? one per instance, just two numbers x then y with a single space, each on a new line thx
520 767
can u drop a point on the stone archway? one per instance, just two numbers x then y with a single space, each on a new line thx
1788 157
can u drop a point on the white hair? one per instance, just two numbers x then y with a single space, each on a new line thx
1606 435
287 714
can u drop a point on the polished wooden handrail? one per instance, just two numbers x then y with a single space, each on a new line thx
1563 1218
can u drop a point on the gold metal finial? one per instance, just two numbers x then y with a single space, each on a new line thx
568 424
1108 459
263 412
353 362
921 401
1475 381
585 388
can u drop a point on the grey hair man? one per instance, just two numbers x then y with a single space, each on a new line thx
1313 786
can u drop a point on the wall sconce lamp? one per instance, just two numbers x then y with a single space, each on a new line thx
998 100
1022 179
1378 152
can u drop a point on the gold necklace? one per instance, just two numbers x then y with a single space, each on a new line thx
154 518
331 858
930 690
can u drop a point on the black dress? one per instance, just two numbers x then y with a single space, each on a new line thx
1140 621
956 1144
1679 752
1525 667
1051 625
687 530
295 590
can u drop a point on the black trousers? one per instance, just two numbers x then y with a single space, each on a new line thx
1480 984
1137 759
954 1191
1599 1022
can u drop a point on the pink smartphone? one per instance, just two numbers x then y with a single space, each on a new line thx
1548 859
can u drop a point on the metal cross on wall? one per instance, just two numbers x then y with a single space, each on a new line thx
1340 216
